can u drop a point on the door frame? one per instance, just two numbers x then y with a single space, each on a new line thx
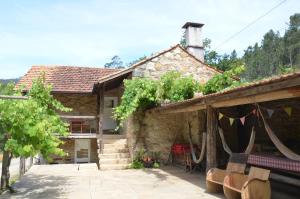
76 160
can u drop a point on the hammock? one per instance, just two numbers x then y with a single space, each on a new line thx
280 146
228 150
197 161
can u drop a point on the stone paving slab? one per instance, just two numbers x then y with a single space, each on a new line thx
85 181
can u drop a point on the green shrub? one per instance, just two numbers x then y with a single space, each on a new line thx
222 81
136 165
156 165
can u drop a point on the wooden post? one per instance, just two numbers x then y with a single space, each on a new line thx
211 156
100 118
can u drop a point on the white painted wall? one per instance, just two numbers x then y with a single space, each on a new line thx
108 122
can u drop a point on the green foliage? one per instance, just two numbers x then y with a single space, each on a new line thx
156 165
222 62
139 93
137 162
7 89
32 126
172 86
136 165
142 93
143 159
222 81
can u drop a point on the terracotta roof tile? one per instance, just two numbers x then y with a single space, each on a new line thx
67 78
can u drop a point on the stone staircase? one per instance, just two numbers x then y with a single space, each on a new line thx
115 153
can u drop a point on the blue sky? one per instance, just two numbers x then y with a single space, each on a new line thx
89 33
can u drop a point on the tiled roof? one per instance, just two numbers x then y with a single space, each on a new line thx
67 78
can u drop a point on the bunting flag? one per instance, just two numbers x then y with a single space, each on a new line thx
270 112
243 120
288 110
231 120
220 116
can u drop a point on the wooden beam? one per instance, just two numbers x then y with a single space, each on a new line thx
86 117
271 96
234 101
13 97
211 152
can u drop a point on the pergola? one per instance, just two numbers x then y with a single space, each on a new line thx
276 88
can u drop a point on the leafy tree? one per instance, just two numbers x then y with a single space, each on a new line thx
223 62
136 60
183 41
30 126
115 62
292 42
275 54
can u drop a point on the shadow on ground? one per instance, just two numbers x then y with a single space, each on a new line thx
39 186
196 178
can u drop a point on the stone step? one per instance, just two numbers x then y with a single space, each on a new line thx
114 155
115 150
115 141
114 166
115 146
114 137
105 161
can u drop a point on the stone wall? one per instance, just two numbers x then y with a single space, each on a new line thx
158 132
81 104
174 60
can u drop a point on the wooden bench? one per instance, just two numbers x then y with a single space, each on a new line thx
256 185
215 176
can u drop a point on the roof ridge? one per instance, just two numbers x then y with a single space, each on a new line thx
202 62
72 66
133 66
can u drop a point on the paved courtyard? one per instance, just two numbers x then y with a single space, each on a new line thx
85 181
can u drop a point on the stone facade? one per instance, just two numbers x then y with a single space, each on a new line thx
174 60
158 132
81 104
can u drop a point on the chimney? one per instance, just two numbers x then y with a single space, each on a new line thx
192 35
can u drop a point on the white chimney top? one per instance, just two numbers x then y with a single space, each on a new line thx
193 39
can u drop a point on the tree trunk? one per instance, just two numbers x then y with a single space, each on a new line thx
22 167
211 156
7 156
291 60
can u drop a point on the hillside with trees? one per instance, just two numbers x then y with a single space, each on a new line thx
275 54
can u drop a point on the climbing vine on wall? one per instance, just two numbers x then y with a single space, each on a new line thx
143 93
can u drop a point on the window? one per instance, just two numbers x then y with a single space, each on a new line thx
83 126
109 103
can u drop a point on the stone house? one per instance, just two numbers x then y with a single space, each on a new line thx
92 93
